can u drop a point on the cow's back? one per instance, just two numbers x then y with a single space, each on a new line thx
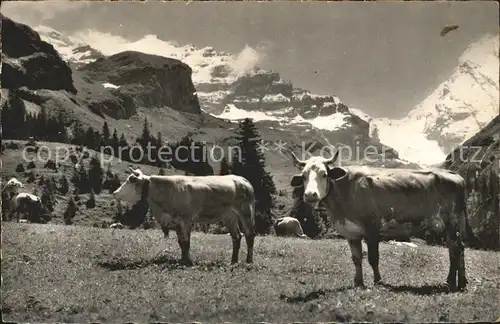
208 196
401 194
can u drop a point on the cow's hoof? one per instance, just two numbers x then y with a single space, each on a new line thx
187 263
360 285
377 282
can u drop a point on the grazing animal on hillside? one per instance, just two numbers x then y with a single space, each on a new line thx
12 187
25 203
183 200
289 226
357 198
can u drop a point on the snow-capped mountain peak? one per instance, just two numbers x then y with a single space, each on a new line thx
457 109
232 86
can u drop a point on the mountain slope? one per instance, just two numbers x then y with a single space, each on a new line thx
227 84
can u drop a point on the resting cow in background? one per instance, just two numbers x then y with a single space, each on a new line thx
289 226
357 198
27 204
182 200
9 191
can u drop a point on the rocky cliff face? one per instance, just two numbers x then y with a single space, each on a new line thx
144 80
478 161
116 86
29 62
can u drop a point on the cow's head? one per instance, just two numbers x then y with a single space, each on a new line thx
13 186
316 177
131 190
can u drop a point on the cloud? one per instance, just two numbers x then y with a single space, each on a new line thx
36 12
249 58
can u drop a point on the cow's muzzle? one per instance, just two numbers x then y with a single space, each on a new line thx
311 197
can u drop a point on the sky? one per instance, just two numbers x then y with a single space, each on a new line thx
382 58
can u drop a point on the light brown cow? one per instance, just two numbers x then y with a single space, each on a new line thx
357 198
289 226
182 200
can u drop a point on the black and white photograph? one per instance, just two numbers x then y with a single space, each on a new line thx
242 162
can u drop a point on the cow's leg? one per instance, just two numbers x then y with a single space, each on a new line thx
454 251
357 258
234 230
165 230
372 241
183 230
246 217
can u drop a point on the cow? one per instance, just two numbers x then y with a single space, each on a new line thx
25 203
289 226
179 201
12 187
357 198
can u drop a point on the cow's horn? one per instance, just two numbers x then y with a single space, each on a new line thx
333 158
297 161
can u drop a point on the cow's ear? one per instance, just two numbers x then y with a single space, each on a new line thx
297 181
337 173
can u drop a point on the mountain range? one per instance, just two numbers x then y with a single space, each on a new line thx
202 92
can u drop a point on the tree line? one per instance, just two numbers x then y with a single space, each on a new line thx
44 127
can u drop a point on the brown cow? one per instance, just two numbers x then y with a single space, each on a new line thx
357 198
289 226
182 200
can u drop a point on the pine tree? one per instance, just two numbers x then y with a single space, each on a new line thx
63 185
62 133
123 148
79 136
252 167
14 118
105 134
90 139
47 199
41 131
91 202
224 167
70 211
113 142
83 182
76 194
161 171
146 135
96 175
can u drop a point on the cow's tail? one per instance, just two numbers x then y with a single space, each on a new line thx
247 215
467 232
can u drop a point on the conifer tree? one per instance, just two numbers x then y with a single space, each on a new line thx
62 133
79 137
63 185
70 211
252 167
41 125
96 175
91 202
224 167
83 182
105 135
113 142
123 148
